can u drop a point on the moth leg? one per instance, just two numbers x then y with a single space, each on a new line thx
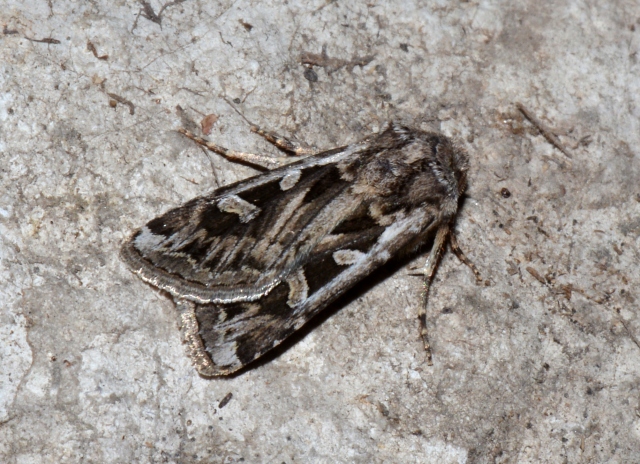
428 271
261 161
462 257
284 143
195 348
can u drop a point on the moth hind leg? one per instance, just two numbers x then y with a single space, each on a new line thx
260 161
284 143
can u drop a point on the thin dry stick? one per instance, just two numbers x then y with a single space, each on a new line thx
544 130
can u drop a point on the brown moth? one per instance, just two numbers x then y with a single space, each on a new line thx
252 262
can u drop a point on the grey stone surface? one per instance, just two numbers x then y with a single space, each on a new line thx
542 365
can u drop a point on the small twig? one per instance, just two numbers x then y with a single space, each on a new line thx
47 40
544 130
225 41
238 111
167 5
331 65
124 101
536 275
630 333
7 31
148 13
92 49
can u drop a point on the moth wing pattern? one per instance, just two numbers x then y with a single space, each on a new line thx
252 262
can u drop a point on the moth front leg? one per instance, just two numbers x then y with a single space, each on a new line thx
463 258
260 161
428 272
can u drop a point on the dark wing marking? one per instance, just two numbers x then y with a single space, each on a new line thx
236 334
263 256
232 245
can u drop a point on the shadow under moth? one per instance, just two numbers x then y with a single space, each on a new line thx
252 262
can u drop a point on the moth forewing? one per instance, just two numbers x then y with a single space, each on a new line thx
252 262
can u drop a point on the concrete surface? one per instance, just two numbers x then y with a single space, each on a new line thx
542 365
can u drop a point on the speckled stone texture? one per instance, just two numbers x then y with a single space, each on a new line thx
541 365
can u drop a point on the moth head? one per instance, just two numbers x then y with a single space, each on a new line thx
450 165
424 166
461 166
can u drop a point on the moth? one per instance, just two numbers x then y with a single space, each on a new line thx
252 262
